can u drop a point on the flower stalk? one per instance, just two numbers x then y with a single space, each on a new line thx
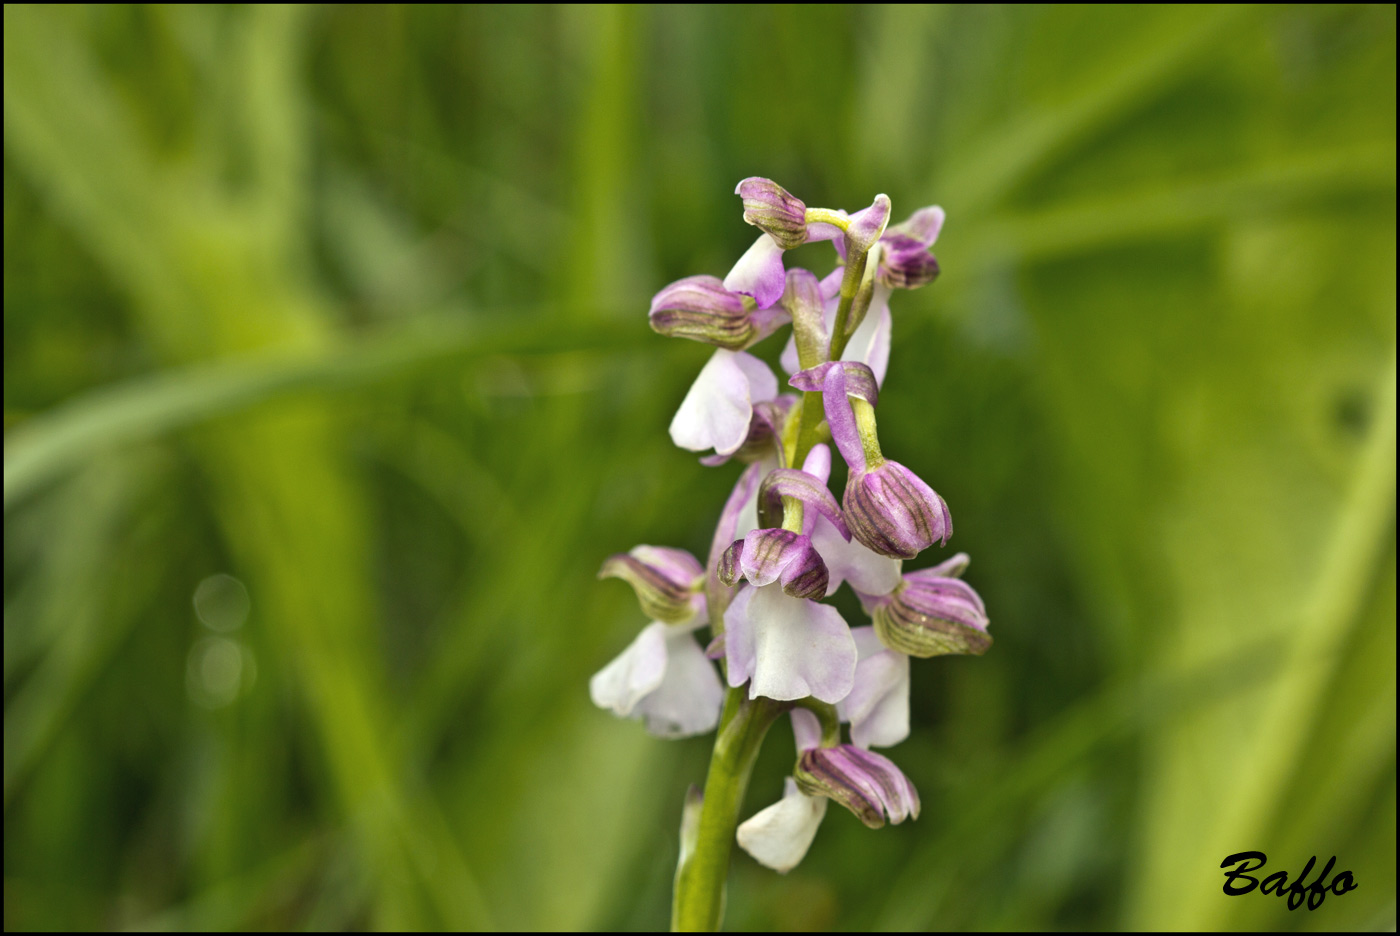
783 544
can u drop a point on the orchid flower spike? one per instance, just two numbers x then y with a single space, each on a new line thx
888 507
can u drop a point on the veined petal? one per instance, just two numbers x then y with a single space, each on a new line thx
759 272
811 491
790 648
773 209
667 582
866 783
778 837
769 555
716 411
633 674
878 706
688 700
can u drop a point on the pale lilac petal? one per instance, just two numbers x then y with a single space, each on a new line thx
800 648
831 292
924 224
867 571
821 231
870 344
789 359
806 729
763 383
878 705
740 647
633 674
818 463
778 837
715 413
689 698
759 272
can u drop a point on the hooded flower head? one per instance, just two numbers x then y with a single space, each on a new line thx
668 582
866 783
932 613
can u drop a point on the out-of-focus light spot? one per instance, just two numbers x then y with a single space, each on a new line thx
222 603
215 671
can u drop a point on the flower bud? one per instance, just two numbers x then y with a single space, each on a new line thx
701 309
932 615
774 210
667 581
893 512
866 783
766 556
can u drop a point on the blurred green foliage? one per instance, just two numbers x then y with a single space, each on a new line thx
349 304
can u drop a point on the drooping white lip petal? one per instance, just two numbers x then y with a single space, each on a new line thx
795 648
633 673
866 570
870 344
759 272
878 705
688 700
778 837
716 411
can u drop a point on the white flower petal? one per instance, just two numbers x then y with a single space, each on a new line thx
633 673
689 698
800 648
878 705
759 272
866 570
870 344
763 385
778 837
716 411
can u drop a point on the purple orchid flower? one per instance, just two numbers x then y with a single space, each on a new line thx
902 256
663 676
888 507
932 613
866 783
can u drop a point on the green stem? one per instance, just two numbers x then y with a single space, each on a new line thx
699 897
850 285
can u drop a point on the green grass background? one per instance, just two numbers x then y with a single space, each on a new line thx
350 303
